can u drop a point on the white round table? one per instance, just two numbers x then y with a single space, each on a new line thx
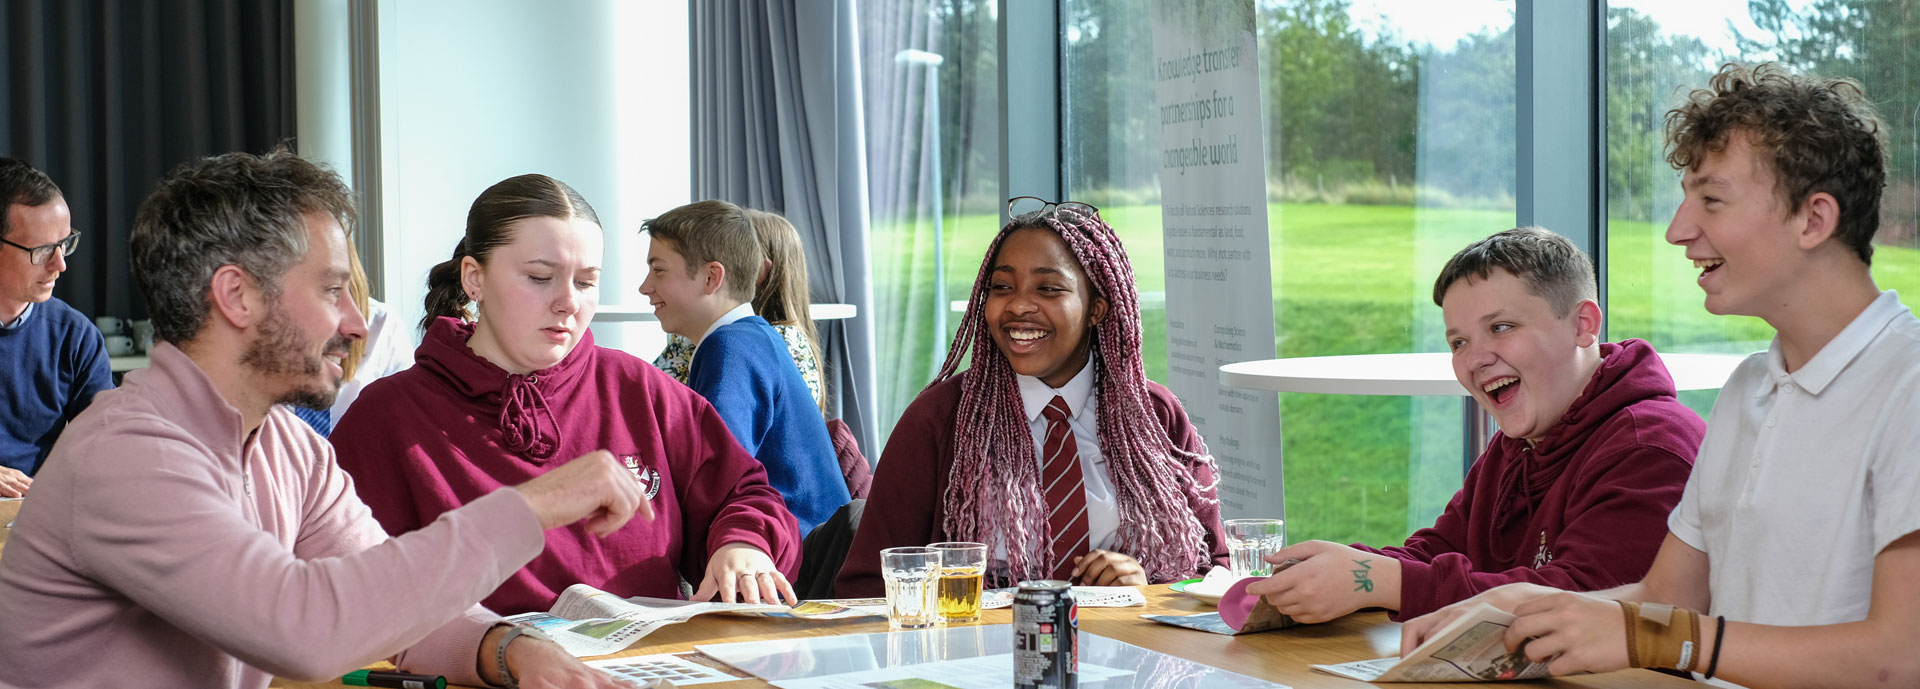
644 312
1429 373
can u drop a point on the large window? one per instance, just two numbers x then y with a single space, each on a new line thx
1390 144
1656 52
931 76
1375 178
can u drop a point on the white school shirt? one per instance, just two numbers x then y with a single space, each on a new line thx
1804 477
1083 418
389 351
725 319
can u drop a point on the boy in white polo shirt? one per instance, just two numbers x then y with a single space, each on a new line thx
1799 532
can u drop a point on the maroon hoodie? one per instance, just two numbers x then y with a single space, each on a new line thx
1584 510
456 427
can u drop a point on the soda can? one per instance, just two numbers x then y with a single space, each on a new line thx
1046 626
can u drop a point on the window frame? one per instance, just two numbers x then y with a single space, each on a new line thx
1560 111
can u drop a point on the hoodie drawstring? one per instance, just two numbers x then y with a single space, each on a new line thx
526 421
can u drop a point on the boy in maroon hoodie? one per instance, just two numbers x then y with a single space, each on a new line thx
1798 537
1573 492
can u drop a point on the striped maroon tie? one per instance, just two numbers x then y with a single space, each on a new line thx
1065 489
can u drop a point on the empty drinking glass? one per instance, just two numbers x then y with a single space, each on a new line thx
1251 540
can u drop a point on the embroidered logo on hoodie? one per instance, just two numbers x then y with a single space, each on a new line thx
648 477
1545 554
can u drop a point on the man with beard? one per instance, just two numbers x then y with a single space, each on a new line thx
190 531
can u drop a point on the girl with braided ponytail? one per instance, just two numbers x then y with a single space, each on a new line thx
1052 447
509 393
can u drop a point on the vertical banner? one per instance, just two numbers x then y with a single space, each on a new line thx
1213 191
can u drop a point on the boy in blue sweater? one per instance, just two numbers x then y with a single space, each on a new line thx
55 361
702 265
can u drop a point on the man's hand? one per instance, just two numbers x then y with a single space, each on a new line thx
1329 581
1575 631
740 573
1108 568
1508 598
594 487
14 483
539 664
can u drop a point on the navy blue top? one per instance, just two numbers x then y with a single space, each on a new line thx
55 361
744 369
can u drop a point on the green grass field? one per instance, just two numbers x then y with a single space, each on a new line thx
1347 280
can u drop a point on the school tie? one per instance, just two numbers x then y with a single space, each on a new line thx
1065 489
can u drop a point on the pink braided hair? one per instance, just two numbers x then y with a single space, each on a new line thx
994 486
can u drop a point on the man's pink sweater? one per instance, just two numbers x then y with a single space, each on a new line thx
164 547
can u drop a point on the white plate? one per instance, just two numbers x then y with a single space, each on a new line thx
1208 592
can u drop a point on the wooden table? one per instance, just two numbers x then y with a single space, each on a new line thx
1280 656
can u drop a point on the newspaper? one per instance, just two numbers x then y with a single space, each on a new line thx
1239 612
1469 649
1260 618
1083 596
589 622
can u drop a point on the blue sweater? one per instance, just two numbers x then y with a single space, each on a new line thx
54 364
744 370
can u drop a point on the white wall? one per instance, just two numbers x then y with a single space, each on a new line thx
322 92
592 92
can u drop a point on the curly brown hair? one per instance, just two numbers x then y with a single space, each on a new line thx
1823 136
232 209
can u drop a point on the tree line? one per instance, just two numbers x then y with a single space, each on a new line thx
1366 116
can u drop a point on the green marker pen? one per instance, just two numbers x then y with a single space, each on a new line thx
398 680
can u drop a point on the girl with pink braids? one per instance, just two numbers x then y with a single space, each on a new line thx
1053 447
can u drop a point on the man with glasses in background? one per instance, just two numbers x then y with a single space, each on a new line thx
55 360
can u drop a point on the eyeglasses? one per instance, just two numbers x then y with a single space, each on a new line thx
1022 205
39 255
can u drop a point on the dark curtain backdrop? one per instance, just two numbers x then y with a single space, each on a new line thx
106 96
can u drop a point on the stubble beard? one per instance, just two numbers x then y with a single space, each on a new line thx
279 352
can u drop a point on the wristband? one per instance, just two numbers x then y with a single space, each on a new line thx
1719 640
500 652
1660 636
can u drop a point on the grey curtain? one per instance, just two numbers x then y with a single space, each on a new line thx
777 126
106 96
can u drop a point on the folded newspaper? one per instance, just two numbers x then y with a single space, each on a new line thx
589 622
1083 596
1469 649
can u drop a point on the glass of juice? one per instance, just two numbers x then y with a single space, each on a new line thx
963 570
